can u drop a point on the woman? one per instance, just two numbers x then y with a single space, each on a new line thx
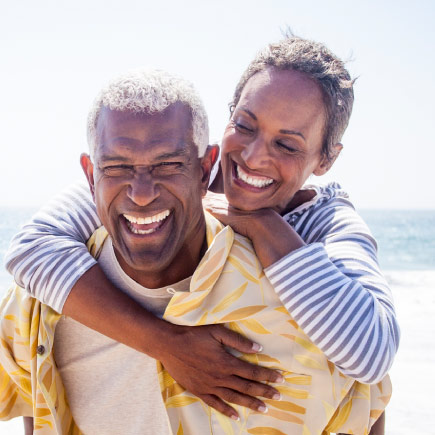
290 110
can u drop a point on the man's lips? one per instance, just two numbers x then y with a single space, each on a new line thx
145 225
249 179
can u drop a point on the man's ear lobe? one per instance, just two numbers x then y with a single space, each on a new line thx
207 162
326 163
88 169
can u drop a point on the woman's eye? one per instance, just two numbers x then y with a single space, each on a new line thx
286 147
244 128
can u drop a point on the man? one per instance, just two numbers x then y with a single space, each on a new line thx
148 172
154 245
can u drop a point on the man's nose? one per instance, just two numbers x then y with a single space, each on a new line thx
142 189
255 154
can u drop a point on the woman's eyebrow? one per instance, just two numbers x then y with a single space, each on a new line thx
293 132
247 111
283 131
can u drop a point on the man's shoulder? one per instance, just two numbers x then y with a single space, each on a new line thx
16 299
96 242
20 313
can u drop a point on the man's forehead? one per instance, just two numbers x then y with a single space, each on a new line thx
175 114
166 132
159 150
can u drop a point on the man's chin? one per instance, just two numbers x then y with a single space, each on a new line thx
144 267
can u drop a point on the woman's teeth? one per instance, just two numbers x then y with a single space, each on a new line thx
253 181
134 223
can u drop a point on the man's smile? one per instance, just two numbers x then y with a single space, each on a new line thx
145 225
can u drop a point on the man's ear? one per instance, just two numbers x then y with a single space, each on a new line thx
326 163
207 162
88 169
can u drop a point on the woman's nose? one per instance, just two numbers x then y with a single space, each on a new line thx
255 154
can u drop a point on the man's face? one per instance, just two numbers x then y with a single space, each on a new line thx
148 182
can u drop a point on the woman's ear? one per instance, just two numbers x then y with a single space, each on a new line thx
207 162
325 162
88 169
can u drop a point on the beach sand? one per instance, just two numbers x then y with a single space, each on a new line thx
412 407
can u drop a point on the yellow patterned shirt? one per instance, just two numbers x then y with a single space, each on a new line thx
228 287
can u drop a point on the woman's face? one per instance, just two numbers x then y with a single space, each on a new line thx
273 142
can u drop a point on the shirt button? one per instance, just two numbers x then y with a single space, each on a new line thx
40 349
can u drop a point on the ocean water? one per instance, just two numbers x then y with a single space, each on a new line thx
406 238
11 220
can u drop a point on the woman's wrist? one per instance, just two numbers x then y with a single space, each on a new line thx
272 237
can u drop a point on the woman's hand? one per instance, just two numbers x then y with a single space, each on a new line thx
272 237
196 357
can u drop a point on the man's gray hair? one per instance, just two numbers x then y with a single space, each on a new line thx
149 91
320 64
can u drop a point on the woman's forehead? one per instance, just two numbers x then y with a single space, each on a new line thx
284 85
288 100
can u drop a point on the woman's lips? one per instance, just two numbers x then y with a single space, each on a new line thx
245 178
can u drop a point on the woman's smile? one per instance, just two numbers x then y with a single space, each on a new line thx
247 179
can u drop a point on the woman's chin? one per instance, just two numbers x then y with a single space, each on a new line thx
245 204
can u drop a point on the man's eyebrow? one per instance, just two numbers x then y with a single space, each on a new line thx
173 154
109 158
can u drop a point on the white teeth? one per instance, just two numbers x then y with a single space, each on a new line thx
144 221
253 181
136 231
147 220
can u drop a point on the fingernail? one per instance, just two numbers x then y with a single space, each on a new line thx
235 417
257 347
276 396
280 379
263 409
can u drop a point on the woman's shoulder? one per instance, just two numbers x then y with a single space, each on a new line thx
330 211
327 196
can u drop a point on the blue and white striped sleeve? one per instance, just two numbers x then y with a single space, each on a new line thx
49 254
335 291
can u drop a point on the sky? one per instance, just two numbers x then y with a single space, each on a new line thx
56 55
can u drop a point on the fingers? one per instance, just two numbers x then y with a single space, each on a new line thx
241 368
251 389
253 372
241 399
219 405
236 341
217 401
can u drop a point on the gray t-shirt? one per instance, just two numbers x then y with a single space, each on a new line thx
111 388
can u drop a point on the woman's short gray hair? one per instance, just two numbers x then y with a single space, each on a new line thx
320 64
149 91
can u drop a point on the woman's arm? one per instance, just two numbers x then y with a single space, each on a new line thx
329 280
49 258
49 254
